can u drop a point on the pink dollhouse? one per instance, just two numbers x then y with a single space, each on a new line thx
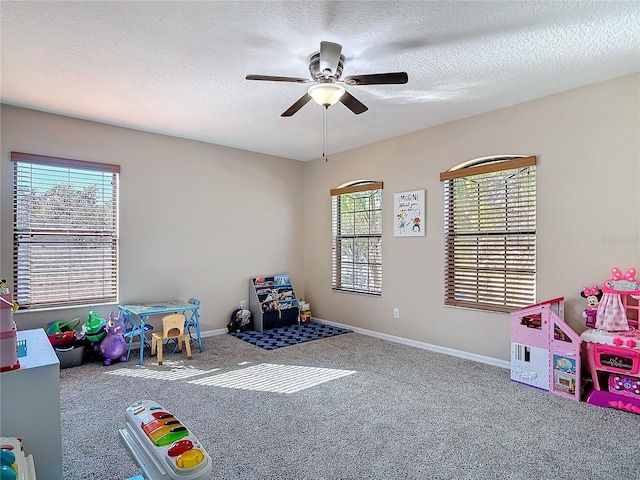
545 351
613 345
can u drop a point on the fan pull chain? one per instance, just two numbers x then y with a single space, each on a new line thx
324 134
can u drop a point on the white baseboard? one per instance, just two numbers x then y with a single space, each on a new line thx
211 333
425 346
404 341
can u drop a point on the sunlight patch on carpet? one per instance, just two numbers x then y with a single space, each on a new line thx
268 377
173 374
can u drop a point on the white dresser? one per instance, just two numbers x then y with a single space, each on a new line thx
30 404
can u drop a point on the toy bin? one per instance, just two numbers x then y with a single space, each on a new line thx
61 333
70 356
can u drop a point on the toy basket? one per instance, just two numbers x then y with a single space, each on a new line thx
61 333
61 339
71 356
61 326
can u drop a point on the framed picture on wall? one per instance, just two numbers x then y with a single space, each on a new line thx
408 214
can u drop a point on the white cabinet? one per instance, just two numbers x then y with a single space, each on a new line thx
30 404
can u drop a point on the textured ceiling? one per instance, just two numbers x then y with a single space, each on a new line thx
178 68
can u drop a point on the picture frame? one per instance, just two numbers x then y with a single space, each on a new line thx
409 214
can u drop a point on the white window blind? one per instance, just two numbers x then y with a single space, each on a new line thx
357 238
65 231
490 234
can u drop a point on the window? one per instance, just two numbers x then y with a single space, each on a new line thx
490 233
357 237
65 231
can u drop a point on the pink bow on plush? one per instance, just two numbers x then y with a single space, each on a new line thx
628 275
591 291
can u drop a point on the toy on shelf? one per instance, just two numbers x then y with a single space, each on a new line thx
593 296
162 446
4 290
613 346
545 351
113 345
8 335
14 464
305 312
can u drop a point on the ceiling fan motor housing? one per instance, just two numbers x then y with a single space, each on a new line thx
318 75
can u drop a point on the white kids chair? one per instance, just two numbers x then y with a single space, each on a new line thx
172 327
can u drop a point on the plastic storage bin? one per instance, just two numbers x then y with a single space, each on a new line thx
70 356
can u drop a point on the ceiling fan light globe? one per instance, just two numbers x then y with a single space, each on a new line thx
326 94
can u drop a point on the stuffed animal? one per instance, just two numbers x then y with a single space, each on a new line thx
240 321
4 290
114 346
593 296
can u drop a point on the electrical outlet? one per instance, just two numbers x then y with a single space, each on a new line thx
242 304
396 313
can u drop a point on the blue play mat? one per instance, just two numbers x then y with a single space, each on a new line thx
290 335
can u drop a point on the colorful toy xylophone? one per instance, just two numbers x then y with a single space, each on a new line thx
14 464
162 446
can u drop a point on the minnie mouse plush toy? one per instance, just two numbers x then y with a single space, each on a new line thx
593 296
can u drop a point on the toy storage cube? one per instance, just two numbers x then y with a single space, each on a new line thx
70 356
30 404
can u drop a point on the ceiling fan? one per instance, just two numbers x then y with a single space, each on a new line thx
326 67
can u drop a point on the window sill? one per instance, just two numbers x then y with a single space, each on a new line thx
62 308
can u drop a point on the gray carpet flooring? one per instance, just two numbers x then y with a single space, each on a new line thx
405 413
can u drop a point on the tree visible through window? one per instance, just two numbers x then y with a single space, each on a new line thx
490 233
357 237
65 231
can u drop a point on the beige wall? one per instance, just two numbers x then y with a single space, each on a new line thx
200 219
588 146
196 220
